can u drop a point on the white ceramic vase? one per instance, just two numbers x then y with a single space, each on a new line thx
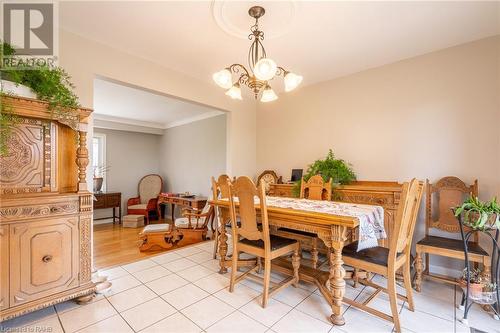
20 90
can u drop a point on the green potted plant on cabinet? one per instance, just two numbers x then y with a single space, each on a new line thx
329 168
49 84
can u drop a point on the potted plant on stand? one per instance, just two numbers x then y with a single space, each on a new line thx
482 217
329 168
478 215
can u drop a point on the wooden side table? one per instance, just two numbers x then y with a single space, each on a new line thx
109 200
195 203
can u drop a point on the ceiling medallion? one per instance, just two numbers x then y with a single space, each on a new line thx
261 68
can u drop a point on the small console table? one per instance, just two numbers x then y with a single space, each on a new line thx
194 203
109 200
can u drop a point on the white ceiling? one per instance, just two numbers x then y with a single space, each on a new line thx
320 40
129 105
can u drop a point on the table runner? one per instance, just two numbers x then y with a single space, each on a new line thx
371 218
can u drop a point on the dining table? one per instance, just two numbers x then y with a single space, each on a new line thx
331 221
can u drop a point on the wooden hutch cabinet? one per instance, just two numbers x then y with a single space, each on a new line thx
45 210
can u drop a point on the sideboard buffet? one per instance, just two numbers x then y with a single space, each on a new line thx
45 209
385 194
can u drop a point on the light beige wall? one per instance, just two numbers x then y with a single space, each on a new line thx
426 117
85 59
130 156
192 153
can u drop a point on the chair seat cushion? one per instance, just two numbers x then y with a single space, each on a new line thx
277 242
451 244
377 255
140 206
299 232
152 228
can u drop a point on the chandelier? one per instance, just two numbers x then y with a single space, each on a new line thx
261 68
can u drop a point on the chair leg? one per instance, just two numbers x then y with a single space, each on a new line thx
216 242
418 268
314 252
486 269
267 281
296 266
391 288
259 265
355 277
407 282
234 270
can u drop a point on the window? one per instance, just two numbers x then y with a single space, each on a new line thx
99 157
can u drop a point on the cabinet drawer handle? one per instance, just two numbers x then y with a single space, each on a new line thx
47 258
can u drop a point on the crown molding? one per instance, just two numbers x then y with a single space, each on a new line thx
193 119
135 125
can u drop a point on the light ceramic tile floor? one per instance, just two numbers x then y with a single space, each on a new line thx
181 291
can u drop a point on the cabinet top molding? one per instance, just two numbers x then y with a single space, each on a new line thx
35 108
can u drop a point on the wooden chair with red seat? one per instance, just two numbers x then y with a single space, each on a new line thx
314 189
249 238
386 261
448 192
150 187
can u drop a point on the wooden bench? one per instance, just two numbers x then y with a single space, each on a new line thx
163 236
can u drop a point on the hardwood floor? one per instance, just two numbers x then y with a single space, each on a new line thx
115 245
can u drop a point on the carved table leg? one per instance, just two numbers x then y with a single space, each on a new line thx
334 241
337 283
223 242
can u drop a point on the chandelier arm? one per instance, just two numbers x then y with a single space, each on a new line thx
243 79
235 68
281 71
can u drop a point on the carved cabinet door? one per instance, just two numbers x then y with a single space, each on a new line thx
4 267
44 258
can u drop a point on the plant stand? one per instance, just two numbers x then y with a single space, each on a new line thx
491 299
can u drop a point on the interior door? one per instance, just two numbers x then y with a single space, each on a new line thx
43 258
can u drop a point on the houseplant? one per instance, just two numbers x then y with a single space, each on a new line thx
481 289
337 169
49 84
479 215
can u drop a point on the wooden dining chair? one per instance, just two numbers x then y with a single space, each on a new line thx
220 190
251 239
446 193
314 189
386 261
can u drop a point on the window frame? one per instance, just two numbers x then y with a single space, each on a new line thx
101 137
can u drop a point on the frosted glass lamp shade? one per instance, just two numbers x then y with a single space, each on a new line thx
265 69
268 95
292 81
234 92
223 78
